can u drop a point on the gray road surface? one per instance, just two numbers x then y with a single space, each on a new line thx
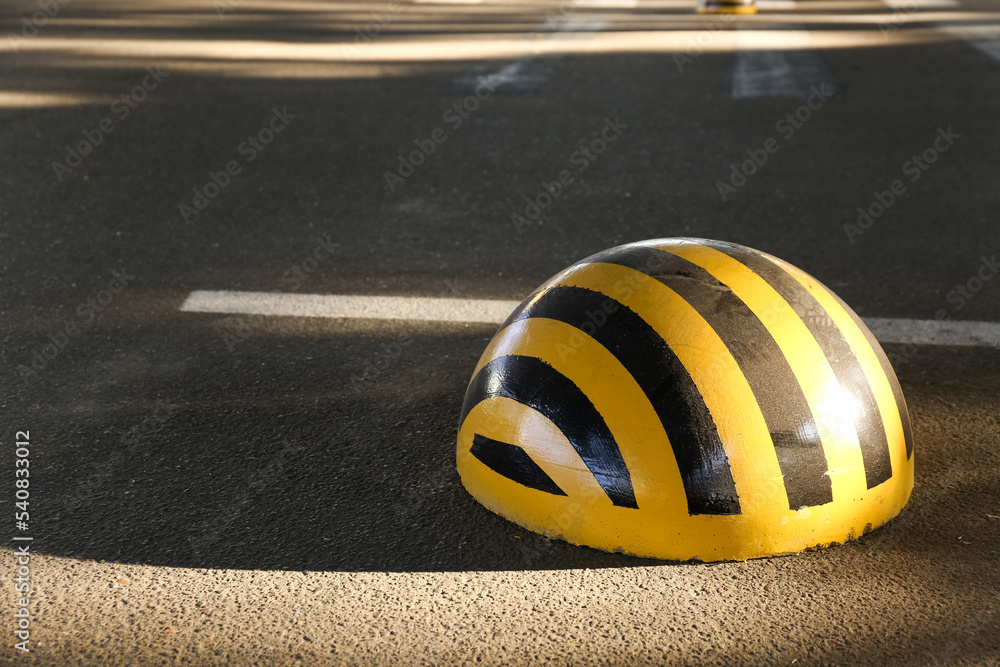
223 489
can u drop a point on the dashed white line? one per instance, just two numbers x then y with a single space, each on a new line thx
913 5
15 99
776 5
985 38
615 4
761 72
495 311
530 74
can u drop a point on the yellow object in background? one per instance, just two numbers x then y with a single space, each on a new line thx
687 399
727 7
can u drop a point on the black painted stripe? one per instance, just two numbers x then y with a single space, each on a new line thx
890 374
516 315
534 383
704 466
513 463
779 395
847 370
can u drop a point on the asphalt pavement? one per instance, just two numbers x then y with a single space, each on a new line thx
214 489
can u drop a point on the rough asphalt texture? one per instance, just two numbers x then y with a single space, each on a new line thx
218 489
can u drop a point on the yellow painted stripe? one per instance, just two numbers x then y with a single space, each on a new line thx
868 360
629 415
726 392
827 400
583 513
490 352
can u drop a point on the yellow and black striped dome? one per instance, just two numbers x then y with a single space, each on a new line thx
682 399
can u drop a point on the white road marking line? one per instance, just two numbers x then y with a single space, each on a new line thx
505 74
985 38
495 311
354 307
935 332
406 52
617 4
576 25
509 74
913 5
21 100
776 5
525 75
529 74
760 72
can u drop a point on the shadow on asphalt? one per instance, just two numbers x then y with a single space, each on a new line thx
295 467
157 445
276 455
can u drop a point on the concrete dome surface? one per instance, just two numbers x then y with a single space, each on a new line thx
687 399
